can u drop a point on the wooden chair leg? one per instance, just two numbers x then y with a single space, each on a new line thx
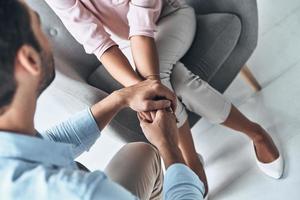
249 78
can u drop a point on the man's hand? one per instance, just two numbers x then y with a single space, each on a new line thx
148 95
162 132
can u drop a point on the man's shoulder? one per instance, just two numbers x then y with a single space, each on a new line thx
36 181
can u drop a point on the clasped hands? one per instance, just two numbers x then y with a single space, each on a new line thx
151 96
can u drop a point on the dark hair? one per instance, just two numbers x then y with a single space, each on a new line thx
15 31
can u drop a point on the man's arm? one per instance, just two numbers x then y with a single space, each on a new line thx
83 129
139 97
180 181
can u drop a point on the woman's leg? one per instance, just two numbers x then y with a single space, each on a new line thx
264 145
174 36
187 147
202 99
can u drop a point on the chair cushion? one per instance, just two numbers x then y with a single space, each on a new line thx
216 36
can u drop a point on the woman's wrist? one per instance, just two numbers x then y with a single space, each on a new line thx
133 82
153 77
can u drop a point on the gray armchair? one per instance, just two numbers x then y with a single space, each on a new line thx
227 33
226 37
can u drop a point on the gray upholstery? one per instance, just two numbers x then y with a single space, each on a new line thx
226 36
246 11
220 74
217 36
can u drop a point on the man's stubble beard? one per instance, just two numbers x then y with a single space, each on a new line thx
48 73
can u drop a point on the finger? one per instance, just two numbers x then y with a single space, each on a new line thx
143 124
140 117
153 113
147 116
165 114
143 121
165 92
143 115
174 104
160 114
152 105
169 109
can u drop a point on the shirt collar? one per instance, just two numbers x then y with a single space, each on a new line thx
36 149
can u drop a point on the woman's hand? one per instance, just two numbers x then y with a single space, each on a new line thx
149 115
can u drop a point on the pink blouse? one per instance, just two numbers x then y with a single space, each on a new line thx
88 20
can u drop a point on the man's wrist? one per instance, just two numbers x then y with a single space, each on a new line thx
120 100
171 154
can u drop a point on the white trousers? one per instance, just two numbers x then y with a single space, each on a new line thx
176 29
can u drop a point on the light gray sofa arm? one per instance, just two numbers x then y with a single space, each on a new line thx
246 11
68 94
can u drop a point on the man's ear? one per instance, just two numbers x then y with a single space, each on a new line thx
29 59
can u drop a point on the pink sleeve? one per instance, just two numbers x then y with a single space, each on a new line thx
83 25
142 16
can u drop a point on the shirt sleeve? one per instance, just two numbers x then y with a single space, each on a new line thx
83 25
81 130
182 183
142 17
68 184
107 189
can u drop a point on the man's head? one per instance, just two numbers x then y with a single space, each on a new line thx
25 53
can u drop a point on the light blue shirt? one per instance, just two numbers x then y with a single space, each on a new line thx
44 168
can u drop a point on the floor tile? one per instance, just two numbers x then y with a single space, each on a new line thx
277 51
274 12
229 157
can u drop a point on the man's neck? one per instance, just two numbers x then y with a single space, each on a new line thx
18 117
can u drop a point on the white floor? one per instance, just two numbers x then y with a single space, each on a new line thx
230 164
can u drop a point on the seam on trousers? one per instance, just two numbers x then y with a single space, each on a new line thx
225 112
226 109
182 116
